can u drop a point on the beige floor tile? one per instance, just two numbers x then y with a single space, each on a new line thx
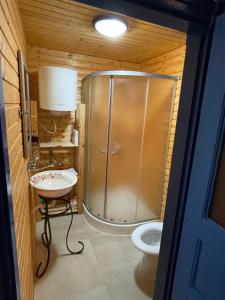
104 239
130 290
134 255
98 293
111 254
57 284
68 275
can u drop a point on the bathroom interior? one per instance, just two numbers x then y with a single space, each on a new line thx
91 103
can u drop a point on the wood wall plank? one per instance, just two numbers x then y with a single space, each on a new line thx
8 73
68 26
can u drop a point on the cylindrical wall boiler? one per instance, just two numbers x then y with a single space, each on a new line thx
57 88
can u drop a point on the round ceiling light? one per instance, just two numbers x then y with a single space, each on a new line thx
110 26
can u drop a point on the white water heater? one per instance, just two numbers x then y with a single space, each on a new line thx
57 88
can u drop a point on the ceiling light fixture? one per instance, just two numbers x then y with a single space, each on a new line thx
110 26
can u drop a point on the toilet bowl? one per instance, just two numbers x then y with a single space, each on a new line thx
146 238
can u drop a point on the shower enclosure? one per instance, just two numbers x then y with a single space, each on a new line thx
128 116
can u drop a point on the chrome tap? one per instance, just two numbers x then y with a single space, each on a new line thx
53 161
34 166
51 158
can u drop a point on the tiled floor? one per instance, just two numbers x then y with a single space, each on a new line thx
105 271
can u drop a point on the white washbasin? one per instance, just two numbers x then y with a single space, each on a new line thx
53 183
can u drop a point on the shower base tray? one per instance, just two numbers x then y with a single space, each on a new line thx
110 228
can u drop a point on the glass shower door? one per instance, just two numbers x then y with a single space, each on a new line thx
124 150
154 150
97 142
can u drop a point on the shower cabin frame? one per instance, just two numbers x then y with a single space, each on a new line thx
147 102
195 19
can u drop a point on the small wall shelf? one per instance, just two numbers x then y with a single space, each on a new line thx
58 145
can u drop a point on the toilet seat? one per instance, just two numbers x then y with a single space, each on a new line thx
140 231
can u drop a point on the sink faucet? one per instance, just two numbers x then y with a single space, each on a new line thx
51 157
32 165
52 160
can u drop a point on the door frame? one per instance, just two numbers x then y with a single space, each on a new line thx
197 21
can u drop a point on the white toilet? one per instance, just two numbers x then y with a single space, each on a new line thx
147 238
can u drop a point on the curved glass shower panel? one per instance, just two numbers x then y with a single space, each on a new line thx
154 148
128 118
97 135
126 127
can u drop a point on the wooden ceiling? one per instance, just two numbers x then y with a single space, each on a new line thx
66 25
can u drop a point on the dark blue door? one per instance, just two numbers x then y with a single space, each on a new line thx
200 271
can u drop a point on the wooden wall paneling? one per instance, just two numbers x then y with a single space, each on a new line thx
12 15
68 26
11 39
170 63
18 23
11 93
41 56
7 31
7 51
8 73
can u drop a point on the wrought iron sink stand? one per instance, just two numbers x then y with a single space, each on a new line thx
47 233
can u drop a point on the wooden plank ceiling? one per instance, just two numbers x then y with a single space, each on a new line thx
66 25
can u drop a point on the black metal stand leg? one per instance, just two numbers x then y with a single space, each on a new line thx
46 240
67 235
47 234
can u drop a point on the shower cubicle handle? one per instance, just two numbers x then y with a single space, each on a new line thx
115 151
103 151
